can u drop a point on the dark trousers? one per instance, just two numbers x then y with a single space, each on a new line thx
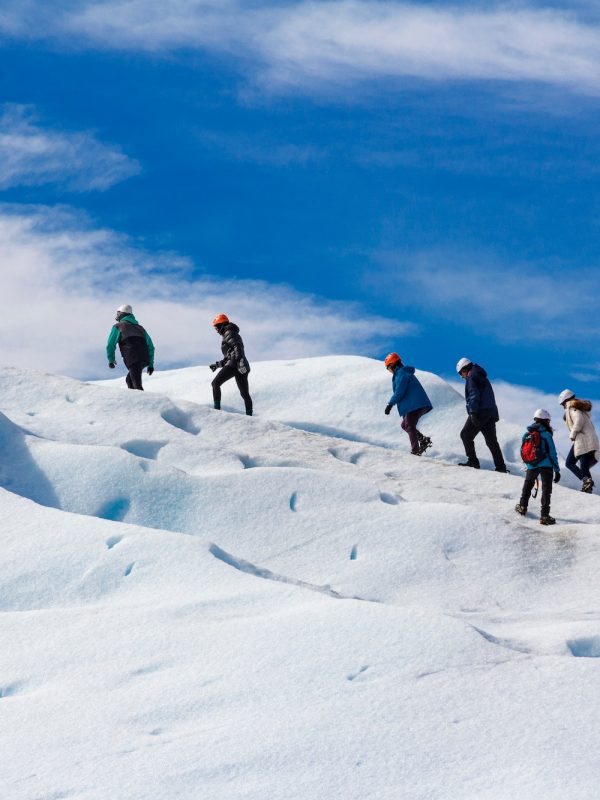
226 374
134 376
586 462
487 426
546 474
409 424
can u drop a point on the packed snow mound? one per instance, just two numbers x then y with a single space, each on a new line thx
198 603
342 396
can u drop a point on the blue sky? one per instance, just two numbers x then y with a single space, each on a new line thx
340 177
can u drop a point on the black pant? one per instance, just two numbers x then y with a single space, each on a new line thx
225 374
546 474
586 462
134 376
487 426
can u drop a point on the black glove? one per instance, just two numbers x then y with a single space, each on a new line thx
556 477
150 370
213 367
474 420
112 364
242 368
388 408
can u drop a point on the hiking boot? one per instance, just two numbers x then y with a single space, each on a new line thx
416 451
547 520
424 444
522 510
587 486
502 469
217 405
474 464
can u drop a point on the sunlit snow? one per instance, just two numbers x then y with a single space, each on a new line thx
198 605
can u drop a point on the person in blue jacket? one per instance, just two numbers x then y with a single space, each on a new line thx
411 400
483 414
544 468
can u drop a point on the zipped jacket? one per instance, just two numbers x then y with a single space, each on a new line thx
408 394
134 342
581 428
479 394
550 459
232 348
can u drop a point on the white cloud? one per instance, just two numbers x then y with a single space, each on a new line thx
319 45
62 280
512 301
32 155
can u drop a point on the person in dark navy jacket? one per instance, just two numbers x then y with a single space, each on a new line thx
411 400
483 414
545 467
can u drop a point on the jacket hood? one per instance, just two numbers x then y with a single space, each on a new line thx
580 405
535 426
476 370
410 370
231 326
129 318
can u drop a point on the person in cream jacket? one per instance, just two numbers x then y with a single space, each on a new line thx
585 451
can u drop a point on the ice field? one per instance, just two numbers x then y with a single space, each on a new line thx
199 605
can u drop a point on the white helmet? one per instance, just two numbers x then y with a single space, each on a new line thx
541 413
464 362
126 309
565 395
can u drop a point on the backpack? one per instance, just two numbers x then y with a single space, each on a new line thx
533 449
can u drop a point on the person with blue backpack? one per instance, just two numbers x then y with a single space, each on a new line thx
539 456
411 400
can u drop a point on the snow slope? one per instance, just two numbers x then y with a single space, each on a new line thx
197 604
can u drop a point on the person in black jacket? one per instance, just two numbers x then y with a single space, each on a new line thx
483 414
234 363
135 344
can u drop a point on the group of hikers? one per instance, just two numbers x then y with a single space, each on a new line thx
537 446
410 398
137 352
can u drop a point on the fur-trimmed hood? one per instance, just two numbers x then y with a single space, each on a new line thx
580 405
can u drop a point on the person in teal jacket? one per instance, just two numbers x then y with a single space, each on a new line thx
545 467
135 344
411 400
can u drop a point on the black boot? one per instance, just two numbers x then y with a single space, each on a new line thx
547 520
424 443
218 405
469 463
587 486
521 509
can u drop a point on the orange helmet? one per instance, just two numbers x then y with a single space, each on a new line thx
219 319
393 358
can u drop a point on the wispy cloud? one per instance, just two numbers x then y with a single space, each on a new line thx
508 300
317 46
32 154
62 279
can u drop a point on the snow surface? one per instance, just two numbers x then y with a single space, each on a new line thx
197 604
